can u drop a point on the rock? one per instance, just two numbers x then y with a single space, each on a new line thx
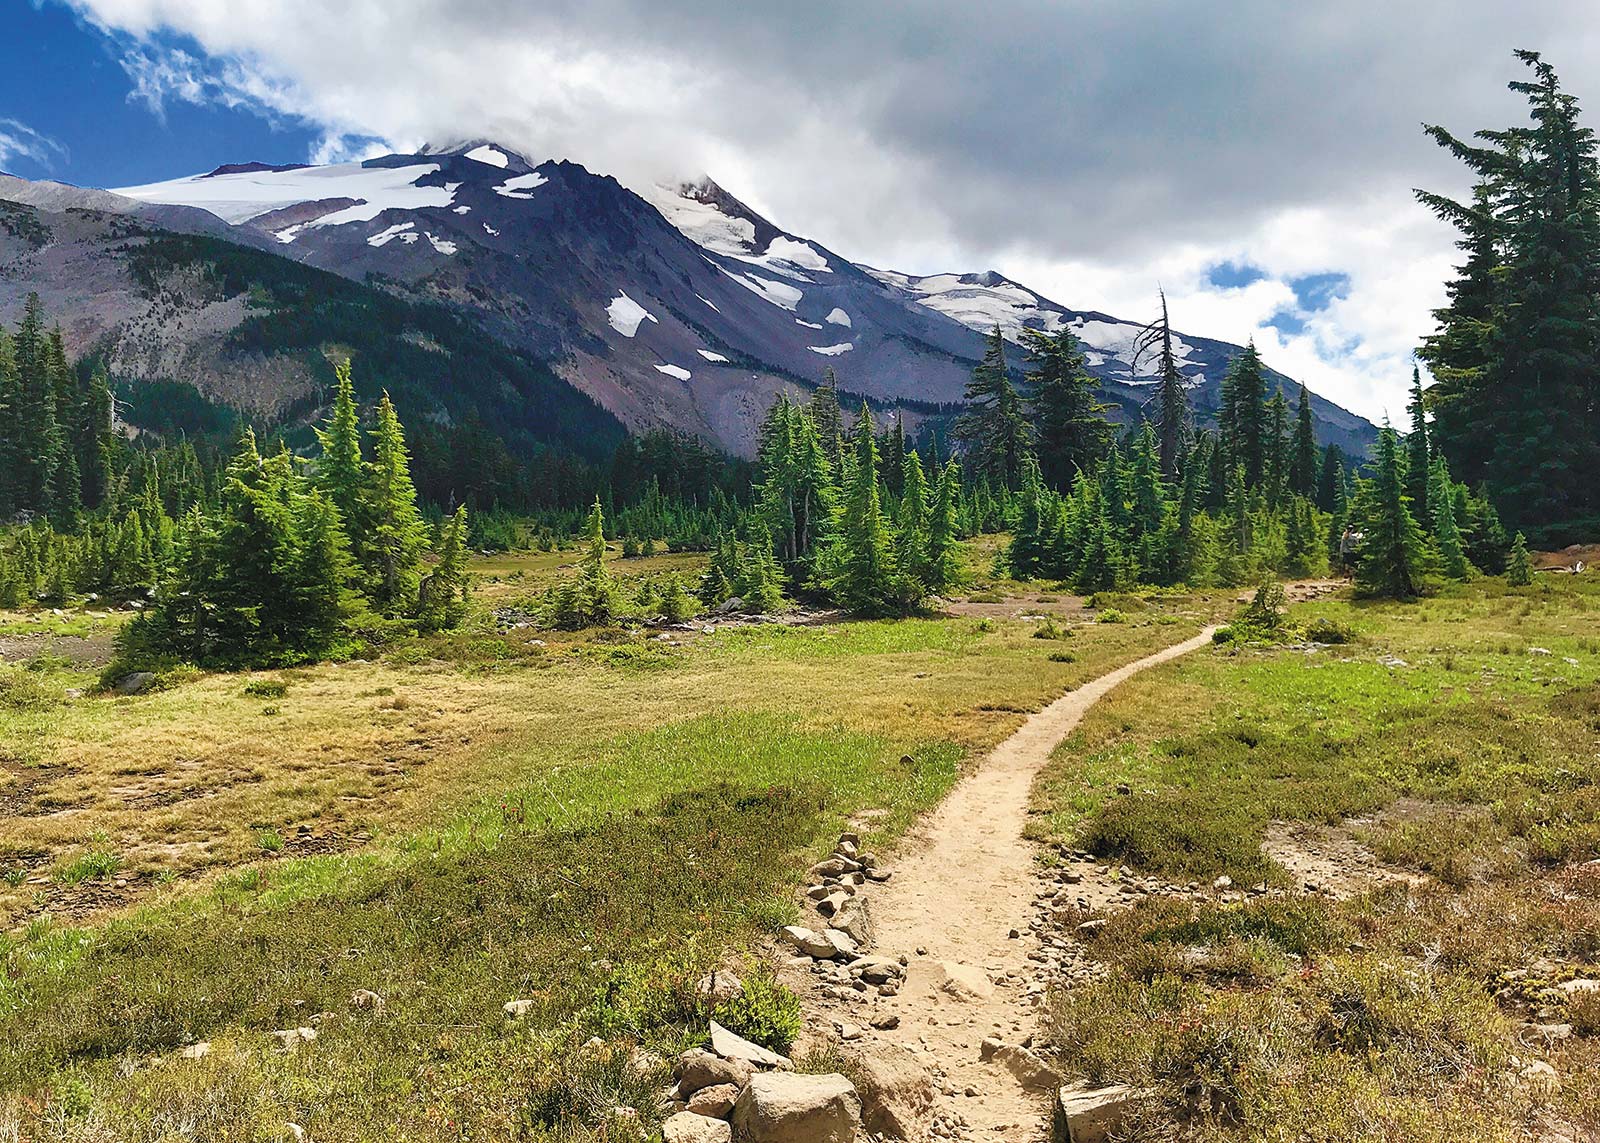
818 892
134 683
879 873
295 1131
689 1127
291 1038
808 942
781 1107
516 1009
878 969
846 849
195 1051
855 918
730 606
843 947
718 987
365 998
896 1091
1223 882
832 903
1092 926
964 982
887 1022
1092 1115
732 1047
1029 1070
715 1101
698 1069
990 1045
1574 987
1537 1073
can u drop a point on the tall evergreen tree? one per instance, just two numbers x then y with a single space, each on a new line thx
1419 464
994 427
392 551
1073 431
1243 417
342 473
1389 561
867 580
1303 450
1174 415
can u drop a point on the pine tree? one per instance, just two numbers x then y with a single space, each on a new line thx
942 569
342 473
1419 465
442 597
913 522
392 548
1452 558
829 420
1389 561
1244 416
1330 481
1277 449
1174 414
994 427
867 580
1519 570
1073 431
1303 450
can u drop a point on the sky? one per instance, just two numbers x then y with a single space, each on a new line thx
1252 158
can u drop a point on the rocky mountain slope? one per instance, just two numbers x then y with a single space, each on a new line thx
678 305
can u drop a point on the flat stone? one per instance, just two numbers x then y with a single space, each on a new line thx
1030 1071
516 1009
808 942
1092 1115
878 969
896 1091
698 1069
841 943
715 1101
855 918
689 1127
964 982
732 1047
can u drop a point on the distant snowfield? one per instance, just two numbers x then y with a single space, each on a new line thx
702 223
780 294
677 371
521 185
492 156
625 315
832 350
711 357
838 317
400 231
239 197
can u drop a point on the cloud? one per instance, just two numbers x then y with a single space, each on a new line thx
19 141
1098 148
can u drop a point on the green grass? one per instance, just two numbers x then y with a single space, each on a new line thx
1465 730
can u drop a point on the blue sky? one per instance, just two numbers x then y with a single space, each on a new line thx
63 79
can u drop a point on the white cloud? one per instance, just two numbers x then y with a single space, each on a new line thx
1088 150
19 141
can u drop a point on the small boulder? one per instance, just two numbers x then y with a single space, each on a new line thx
732 1047
843 947
896 1091
715 1101
964 982
365 998
134 683
718 987
878 969
1029 1070
832 903
699 1069
291 1038
687 1127
195 1051
780 1107
855 918
516 1009
1093 1115
808 942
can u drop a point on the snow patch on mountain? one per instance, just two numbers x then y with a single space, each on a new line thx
838 317
677 371
625 315
832 350
492 156
701 222
239 196
780 294
399 230
442 245
714 358
521 185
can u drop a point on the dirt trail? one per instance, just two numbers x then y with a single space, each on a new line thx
964 882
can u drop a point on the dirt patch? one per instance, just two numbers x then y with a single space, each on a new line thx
1330 859
1033 604
80 650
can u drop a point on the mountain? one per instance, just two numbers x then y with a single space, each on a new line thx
677 305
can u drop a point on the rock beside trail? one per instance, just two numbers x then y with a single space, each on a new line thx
699 1069
716 1101
855 918
785 1107
896 1091
1093 1115
809 943
964 982
688 1127
878 969
1030 1071
732 1047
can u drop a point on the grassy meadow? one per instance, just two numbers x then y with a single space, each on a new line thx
1458 740
587 821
